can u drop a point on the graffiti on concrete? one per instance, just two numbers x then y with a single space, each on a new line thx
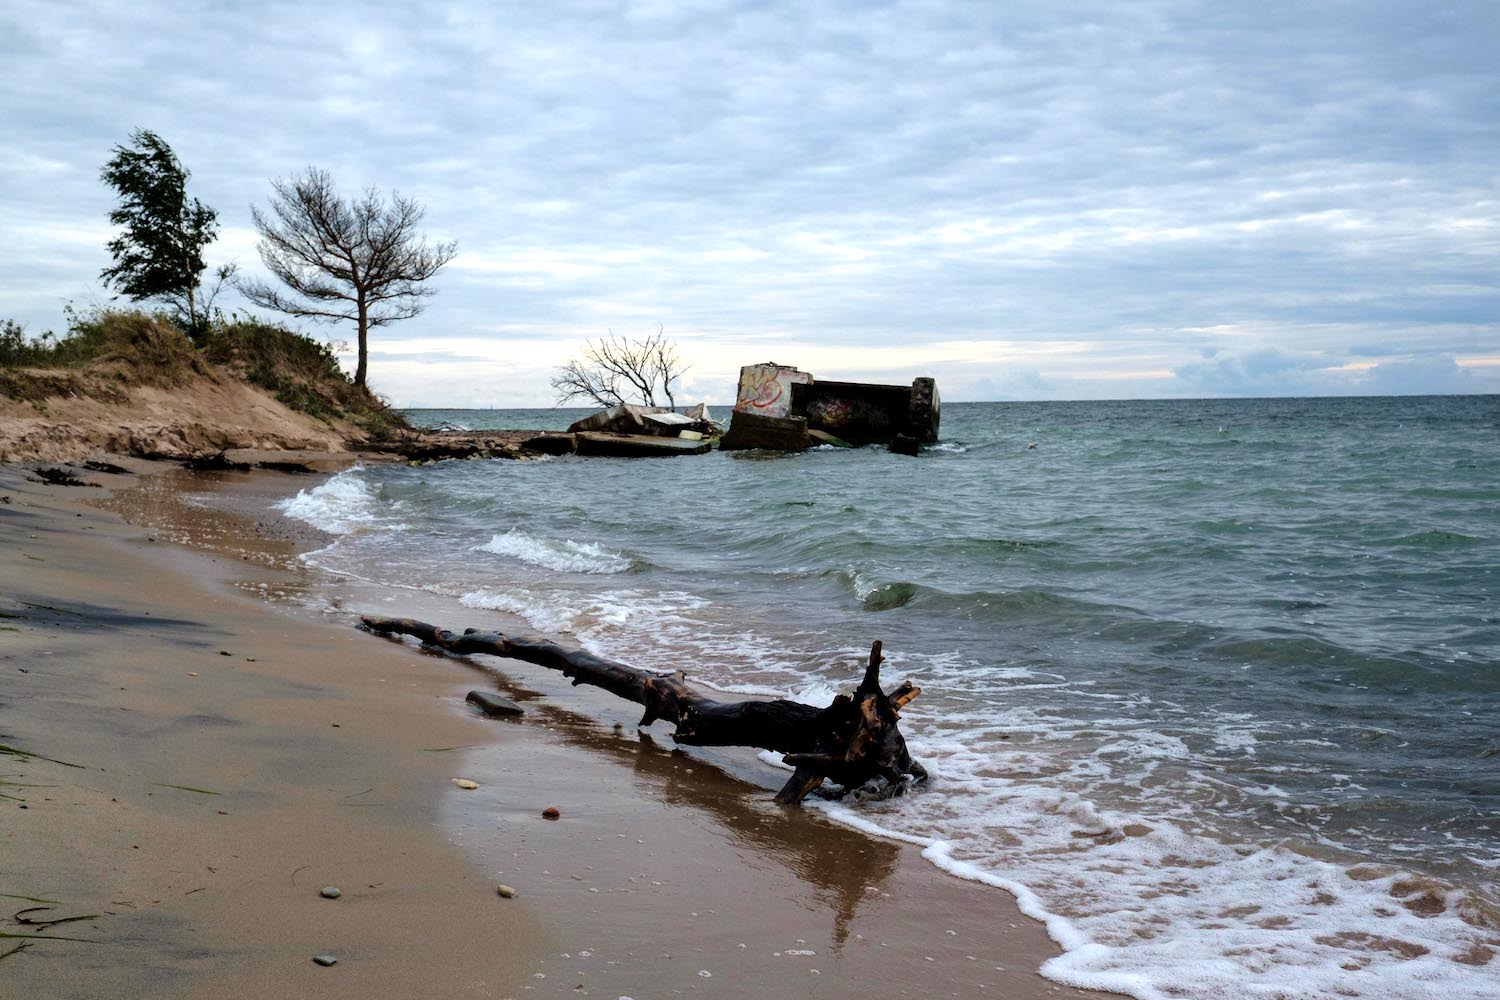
767 389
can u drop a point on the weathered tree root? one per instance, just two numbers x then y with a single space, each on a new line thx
855 742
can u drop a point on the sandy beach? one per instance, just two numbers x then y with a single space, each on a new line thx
235 756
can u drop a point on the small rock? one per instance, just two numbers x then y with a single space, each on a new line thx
324 960
466 784
493 704
330 892
551 812
505 891
225 652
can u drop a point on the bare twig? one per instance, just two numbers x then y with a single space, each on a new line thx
616 370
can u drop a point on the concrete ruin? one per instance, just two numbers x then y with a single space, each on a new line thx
780 408
632 431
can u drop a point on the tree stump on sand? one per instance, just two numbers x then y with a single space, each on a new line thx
855 743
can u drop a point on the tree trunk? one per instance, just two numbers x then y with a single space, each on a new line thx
855 742
364 344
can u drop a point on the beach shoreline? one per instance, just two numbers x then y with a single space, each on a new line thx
664 866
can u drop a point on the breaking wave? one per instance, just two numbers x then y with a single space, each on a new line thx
566 556
343 505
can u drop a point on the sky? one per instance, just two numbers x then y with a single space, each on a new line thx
1045 200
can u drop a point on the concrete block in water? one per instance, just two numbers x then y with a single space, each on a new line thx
552 444
904 444
638 445
755 431
766 389
925 411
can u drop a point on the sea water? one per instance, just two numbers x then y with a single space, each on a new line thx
1213 687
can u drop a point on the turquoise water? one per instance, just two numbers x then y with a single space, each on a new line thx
1212 686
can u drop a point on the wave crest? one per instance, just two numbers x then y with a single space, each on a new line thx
565 556
343 505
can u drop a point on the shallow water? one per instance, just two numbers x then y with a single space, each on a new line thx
1211 685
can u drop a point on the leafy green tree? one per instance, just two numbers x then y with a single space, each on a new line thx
159 253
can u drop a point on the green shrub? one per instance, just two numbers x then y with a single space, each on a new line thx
140 347
302 373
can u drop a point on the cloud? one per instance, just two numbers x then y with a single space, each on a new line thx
1423 376
850 182
1260 372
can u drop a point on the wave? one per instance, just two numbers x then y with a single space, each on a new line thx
566 556
1436 539
343 505
1153 911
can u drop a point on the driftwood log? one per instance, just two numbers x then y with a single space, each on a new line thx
855 743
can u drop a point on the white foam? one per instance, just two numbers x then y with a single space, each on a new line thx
566 556
343 505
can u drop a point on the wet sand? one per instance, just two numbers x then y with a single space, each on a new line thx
331 750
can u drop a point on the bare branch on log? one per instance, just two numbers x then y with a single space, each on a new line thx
855 742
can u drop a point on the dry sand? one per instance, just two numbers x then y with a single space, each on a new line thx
331 753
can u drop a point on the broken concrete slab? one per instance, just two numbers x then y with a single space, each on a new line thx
627 418
833 441
638 445
904 444
749 431
766 389
700 414
673 422
552 443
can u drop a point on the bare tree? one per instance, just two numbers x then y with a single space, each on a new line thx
360 259
616 370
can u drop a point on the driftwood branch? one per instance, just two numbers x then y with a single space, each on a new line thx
855 742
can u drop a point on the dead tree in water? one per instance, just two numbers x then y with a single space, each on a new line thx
855 742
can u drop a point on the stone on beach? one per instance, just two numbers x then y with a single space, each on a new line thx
551 812
325 960
505 891
466 784
493 704
330 892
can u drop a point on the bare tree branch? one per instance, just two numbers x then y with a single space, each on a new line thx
360 260
616 370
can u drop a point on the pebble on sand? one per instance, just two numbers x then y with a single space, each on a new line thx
551 812
505 891
330 892
324 960
466 784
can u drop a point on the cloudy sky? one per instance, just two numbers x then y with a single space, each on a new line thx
1026 200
